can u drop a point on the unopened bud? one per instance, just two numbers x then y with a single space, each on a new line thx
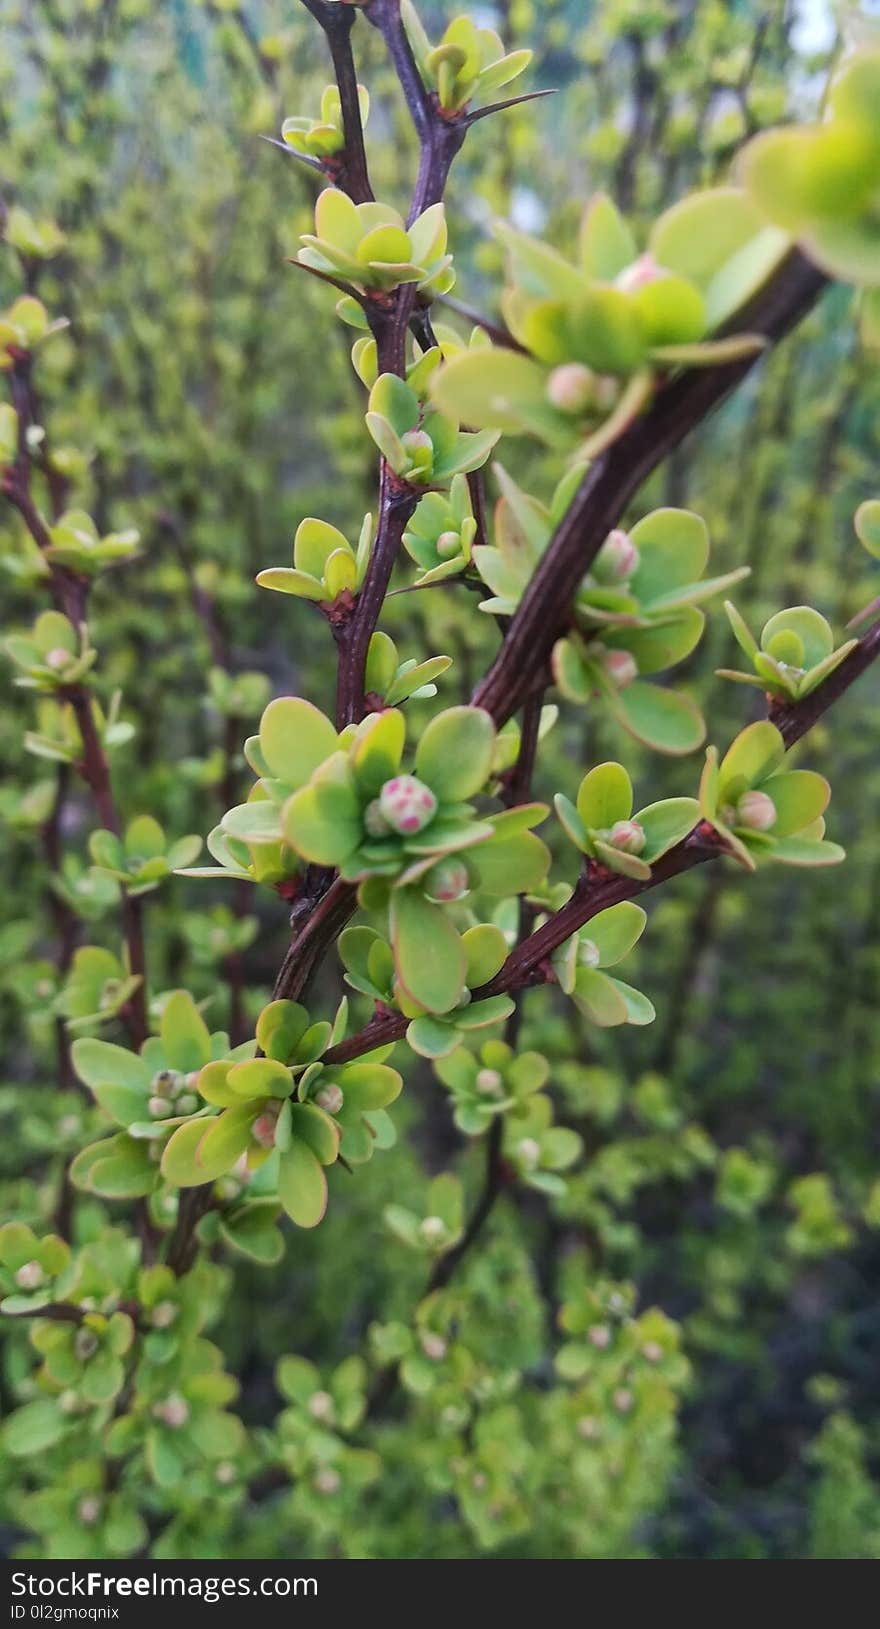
328 1481
588 953
617 559
58 659
174 1412
623 1400
30 1276
263 1128
321 1405
164 1082
163 1315
420 447
571 387
407 804
600 1336
225 1473
621 667
448 545
756 810
628 836
433 1346
187 1104
588 1427
374 821
330 1098
158 1107
85 1344
433 1229
529 1152
68 1402
652 1351
447 881
638 273
89 1509
489 1082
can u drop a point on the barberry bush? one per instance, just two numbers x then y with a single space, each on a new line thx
396 1146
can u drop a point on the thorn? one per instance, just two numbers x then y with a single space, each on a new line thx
512 101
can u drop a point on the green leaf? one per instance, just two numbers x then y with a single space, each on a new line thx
615 931
295 738
428 951
322 821
673 547
302 1185
485 948
607 245
184 1033
806 625
867 524
33 1428
662 719
605 796
454 754
665 824
599 998
799 796
756 752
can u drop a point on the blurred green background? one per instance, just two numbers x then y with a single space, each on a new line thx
733 1147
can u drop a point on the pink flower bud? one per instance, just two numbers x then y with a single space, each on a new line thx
263 1128
600 1336
433 1346
587 1427
617 559
756 810
571 387
621 667
623 1400
433 1229
407 804
30 1276
529 1152
448 545
638 273
89 1509
489 1082
225 1473
652 1351
320 1405
374 821
628 836
158 1107
174 1412
328 1481
163 1315
330 1098
58 659
447 881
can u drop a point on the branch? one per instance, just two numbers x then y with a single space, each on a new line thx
614 478
528 963
337 22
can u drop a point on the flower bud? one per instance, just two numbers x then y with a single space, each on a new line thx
588 1427
225 1473
652 1351
448 545
158 1107
529 1152
85 1344
599 1336
638 273
187 1104
617 559
320 1405
58 659
628 836
407 804
621 667
623 1400
30 1276
163 1315
447 881
489 1082
588 953
756 810
433 1346
571 387
330 1098
263 1128
174 1412
89 1509
328 1481
419 448
374 821
433 1229
165 1082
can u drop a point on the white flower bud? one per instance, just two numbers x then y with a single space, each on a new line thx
158 1107
448 545
617 559
489 1083
328 1481
330 1098
628 836
621 667
433 1346
433 1229
174 1412
756 810
89 1509
529 1152
374 821
58 659
187 1104
320 1405
407 804
571 387
652 1351
30 1276
163 1315
600 1336
587 1427
447 881
623 1400
225 1473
